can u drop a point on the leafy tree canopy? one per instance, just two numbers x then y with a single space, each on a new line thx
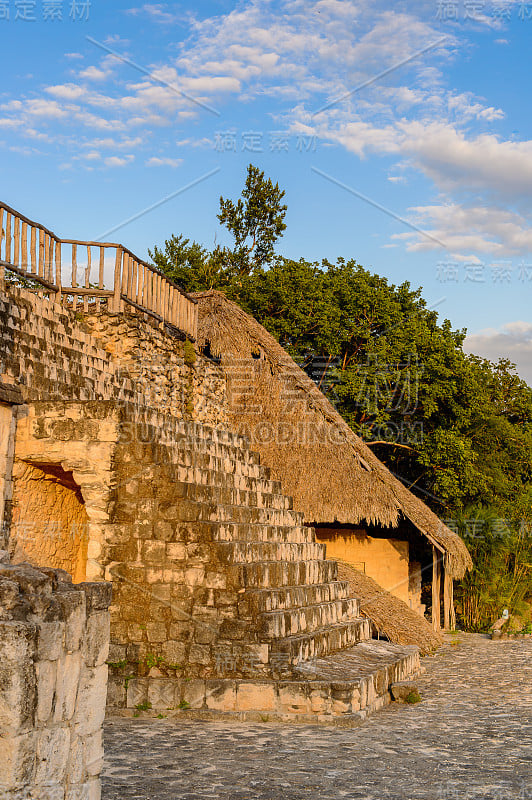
455 428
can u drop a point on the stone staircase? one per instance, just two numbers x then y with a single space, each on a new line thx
273 601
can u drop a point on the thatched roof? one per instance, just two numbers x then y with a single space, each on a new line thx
331 474
392 617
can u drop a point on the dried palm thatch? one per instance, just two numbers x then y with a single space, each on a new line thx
331 474
392 617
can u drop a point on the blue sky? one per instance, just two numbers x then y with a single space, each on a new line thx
400 132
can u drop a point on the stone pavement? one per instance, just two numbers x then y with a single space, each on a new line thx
470 739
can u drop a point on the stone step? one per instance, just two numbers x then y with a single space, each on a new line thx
292 651
251 552
266 574
185 510
342 689
233 497
257 532
182 509
201 476
194 457
306 619
261 601
191 446
170 429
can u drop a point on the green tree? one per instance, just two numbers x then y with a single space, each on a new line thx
256 221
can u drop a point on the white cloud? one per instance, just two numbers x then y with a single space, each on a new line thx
66 91
154 161
94 74
478 163
513 341
492 231
156 12
113 144
118 161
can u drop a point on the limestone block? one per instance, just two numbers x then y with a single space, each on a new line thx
99 596
177 551
220 695
94 571
96 644
137 692
319 701
256 697
200 654
194 576
76 760
402 689
45 672
67 680
9 595
53 749
90 707
293 699
50 640
156 631
17 760
116 692
174 652
75 619
341 698
93 753
193 693
17 679
153 552
163 693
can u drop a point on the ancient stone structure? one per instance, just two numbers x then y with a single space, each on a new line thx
54 642
122 469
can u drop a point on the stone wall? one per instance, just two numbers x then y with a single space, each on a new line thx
183 386
53 353
54 640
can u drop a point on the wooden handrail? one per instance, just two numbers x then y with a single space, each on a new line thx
136 282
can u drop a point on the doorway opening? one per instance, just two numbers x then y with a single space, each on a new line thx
49 525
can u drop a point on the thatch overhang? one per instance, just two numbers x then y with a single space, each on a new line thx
331 474
391 616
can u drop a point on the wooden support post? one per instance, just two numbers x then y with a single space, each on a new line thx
436 588
449 618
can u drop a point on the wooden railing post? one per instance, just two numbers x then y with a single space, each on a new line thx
58 267
117 302
2 269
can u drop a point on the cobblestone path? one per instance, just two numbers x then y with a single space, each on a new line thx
470 739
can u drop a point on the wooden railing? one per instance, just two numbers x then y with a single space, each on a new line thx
42 261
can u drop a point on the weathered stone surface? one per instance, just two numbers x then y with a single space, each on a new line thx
52 698
402 689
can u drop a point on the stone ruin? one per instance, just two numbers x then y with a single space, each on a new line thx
118 466
54 643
